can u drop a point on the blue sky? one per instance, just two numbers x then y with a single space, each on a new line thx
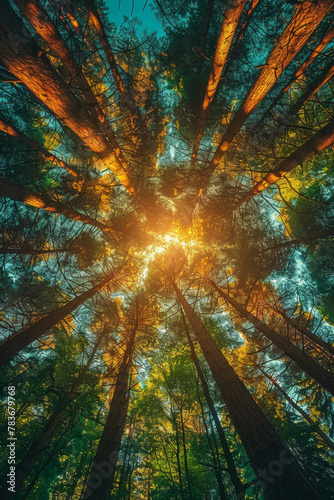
132 9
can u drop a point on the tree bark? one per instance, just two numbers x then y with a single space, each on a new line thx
101 477
39 19
239 35
227 31
19 193
33 145
23 57
307 17
326 39
303 360
231 468
263 446
318 142
20 340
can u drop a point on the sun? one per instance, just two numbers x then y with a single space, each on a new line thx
164 244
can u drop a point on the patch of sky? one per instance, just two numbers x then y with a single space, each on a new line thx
131 9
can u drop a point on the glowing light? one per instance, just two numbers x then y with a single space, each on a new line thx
162 244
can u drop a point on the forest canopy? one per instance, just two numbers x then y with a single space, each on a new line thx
167 253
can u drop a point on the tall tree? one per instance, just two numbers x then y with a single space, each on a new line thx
318 142
19 52
21 339
231 468
303 360
101 477
228 27
307 17
261 442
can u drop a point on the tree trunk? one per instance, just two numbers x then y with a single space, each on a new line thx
23 57
326 39
178 461
252 6
303 360
305 331
19 193
240 33
231 468
300 410
20 340
33 145
307 17
126 460
228 27
39 19
216 460
319 141
101 477
278 471
184 445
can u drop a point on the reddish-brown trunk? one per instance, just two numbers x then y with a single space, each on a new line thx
96 19
239 35
321 140
326 39
307 17
39 19
278 471
22 56
227 31
19 193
